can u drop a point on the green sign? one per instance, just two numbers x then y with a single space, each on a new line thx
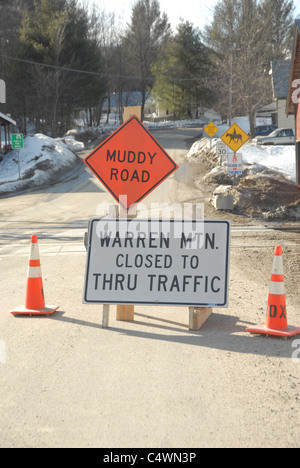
17 141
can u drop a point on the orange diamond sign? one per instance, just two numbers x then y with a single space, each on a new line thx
130 163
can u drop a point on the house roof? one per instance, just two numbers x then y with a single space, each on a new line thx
280 78
295 68
7 120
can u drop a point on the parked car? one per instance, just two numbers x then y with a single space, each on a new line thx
280 136
263 130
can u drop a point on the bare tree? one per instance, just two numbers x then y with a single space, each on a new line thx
240 39
108 40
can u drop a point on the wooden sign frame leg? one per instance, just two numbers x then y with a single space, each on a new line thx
105 315
113 211
198 316
125 313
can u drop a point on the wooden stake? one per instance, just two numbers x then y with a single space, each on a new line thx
125 313
198 316
105 315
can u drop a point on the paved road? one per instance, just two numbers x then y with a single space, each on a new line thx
68 382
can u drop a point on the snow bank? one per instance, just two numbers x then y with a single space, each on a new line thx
42 161
280 159
265 190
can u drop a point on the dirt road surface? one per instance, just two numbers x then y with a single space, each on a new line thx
68 382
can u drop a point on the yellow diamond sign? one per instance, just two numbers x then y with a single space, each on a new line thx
211 129
235 137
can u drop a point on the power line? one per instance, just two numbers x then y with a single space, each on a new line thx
102 75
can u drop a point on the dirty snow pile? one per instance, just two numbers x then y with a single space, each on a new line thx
266 189
279 159
42 161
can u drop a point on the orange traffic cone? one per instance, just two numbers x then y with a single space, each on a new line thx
34 301
276 318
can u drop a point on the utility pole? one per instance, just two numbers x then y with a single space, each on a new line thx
230 87
297 147
2 92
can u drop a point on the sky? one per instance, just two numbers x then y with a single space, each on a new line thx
198 12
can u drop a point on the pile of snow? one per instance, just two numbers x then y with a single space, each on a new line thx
42 161
72 144
200 146
266 189
279 159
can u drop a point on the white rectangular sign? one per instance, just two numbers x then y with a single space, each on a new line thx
221 151
157 262
235 164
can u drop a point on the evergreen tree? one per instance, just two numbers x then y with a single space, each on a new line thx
56 33
181 73
147 32
11 15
